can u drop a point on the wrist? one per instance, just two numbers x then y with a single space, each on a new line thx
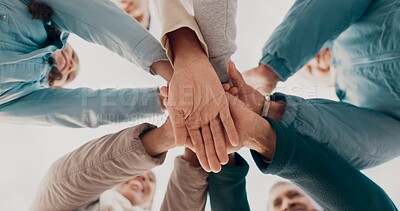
191 158
276 110
157 141
163 69
264 139
185 46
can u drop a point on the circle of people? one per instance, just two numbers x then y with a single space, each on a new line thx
319 146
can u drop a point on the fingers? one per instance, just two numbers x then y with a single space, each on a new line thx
219 140
212 158
227 86
164 91
229 126
235 75
234 91
178 123
198 146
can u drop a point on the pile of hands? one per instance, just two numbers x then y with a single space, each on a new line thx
214 119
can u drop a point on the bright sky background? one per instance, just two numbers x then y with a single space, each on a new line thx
26 152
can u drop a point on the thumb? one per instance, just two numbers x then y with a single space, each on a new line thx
235 75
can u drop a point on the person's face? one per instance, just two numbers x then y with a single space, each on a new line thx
288 197
137 9
68 63
139 190
321 64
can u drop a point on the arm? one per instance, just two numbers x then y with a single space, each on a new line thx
217 22
227 189
331 181
82 107
296 40
78 178
120 34
187 187
362 137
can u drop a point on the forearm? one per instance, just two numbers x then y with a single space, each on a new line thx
83 107
185 46
78 178
264 142
332 182
174 15
227 188
157 141
366 139
187 187
296 40
120 34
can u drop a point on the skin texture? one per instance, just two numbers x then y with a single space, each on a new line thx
197 102
262 78
251 97
68 64
139 190
285 196
261 137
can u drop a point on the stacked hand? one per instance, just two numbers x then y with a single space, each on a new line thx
198 108
245 111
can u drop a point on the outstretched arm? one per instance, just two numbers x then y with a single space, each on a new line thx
307 27
332 182
82 107
121 34
187 186
78 178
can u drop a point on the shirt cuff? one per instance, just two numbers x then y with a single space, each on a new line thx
174 15
277 65
151 51
236 172
281 155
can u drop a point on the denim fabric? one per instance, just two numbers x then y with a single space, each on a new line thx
363 137
24 94
331 181
365 48
366 51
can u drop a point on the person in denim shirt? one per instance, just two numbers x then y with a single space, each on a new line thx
25 96
363 36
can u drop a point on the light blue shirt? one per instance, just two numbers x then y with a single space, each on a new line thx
24 93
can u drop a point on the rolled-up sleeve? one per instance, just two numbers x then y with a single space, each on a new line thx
176 14
78 178
307 27
103 23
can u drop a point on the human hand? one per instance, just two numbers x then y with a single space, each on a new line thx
137 9
254 131
247 94
262 78
198 106
251 97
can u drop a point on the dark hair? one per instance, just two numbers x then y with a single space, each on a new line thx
41 11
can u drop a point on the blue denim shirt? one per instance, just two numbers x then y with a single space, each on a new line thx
365 47
24 68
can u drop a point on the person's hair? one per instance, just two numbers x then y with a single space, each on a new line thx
41 11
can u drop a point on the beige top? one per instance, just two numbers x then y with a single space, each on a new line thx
83 179
176 14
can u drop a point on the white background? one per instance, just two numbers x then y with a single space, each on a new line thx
26 152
